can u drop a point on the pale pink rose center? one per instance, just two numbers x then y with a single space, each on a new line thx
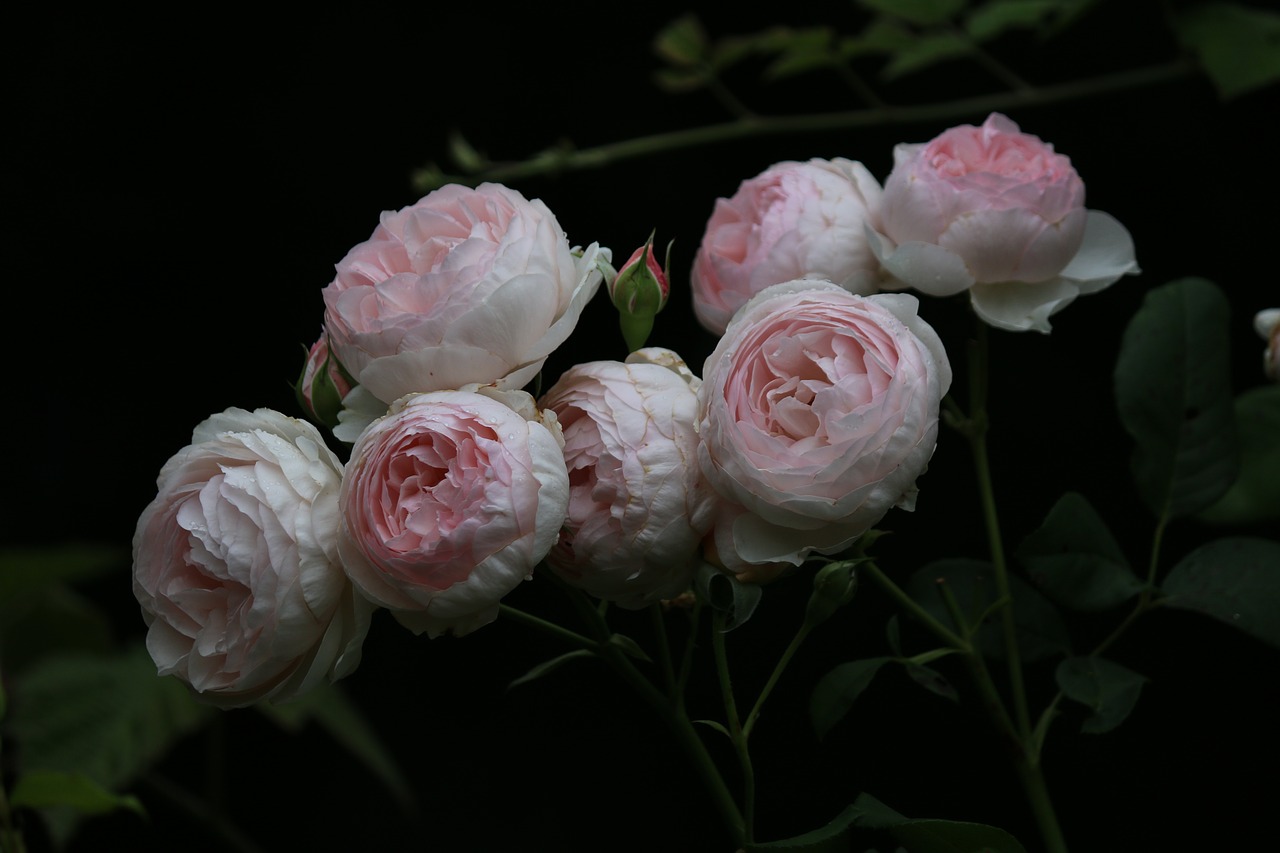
970 150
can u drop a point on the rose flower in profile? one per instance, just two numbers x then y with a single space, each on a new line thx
793 220
999 213
818 412
464 286
638 509
449 502
235 563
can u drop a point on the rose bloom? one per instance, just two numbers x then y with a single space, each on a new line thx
449 502
464 286
999 213
235 563
818 411
793 220
638 509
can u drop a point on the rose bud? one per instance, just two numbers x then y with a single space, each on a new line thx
638 508
999 213
449 501
235 563
792 221
639 291
322 385
818 411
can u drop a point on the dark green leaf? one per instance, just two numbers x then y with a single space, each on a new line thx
836 692
680 79
995 17
1107 688
832 838
712 724
881 36
736 601
1040 629
919 12
1238 46
43 788
1255 495
1234 580
932 680
924 835
1172 385
53 620
630 647
924 52
332 710
25 569
550 666
1075 560
893 633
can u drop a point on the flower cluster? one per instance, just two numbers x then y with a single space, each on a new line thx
262 557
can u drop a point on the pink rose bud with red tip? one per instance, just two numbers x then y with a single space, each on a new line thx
322 385
639 291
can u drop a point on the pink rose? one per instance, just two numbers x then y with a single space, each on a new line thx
637 507
792 221
449 502
819 409
235 563
465 286
999 213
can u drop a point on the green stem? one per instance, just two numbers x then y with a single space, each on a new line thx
942 632
787 654
201 812
1033 783
559 161
736 732
664 649
686 662
540 624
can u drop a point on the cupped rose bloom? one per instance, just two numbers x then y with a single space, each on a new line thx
449 502
818 411
793 220
235 563
999 213
638 509
464 286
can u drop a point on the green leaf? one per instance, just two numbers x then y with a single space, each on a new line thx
925 51
919 12
1235 580
712 724
682 42
932 680
832 838
1107 688
43 788
881 36
836 691
630 647
680 79
1238 46
464 155
1172 386
331 709
801 51
727 595
996 17
1040 630
108 716
550 666
54 620
1075 560
925 835
1255 495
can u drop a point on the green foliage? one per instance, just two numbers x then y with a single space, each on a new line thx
1107 688
1234 580
331 709
1075 560
1238 46
923 835
41 789
994 18
1172 388
971 584
726 595
1255 494
919 12
836 691
106 717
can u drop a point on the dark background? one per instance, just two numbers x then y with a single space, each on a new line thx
184 187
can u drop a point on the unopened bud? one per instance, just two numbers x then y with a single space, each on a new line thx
833 587
639 291
322 385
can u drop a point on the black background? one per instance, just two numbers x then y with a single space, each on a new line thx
184 187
